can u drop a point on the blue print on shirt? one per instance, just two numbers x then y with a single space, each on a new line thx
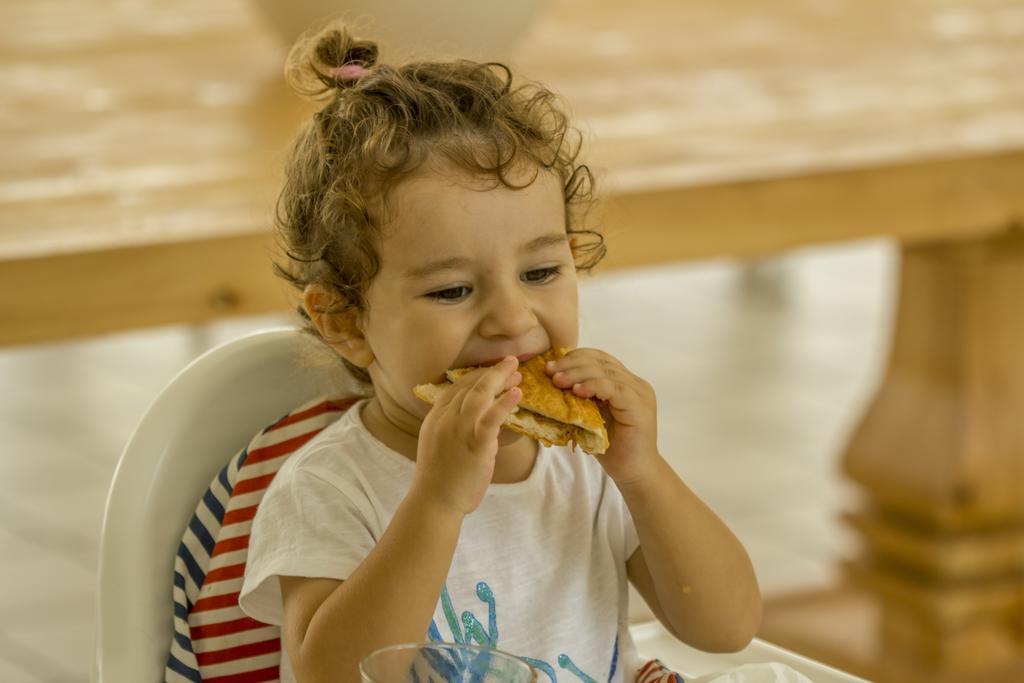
471 631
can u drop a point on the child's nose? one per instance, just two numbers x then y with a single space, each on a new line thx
510 314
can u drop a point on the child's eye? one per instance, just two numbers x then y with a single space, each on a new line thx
542 274
450 294
536 276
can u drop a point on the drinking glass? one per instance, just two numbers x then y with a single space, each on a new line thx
443 663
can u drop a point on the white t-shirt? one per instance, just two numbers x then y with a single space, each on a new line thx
539 570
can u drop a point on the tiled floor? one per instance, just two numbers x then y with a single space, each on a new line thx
760 373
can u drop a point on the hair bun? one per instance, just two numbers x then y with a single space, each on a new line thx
327 59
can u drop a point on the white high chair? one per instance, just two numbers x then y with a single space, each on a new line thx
209 411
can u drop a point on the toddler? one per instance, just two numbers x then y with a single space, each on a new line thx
432 218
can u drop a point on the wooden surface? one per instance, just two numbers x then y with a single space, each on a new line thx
931 554
955 370
738 128
844 628
939 457
126 125
731 128
698 93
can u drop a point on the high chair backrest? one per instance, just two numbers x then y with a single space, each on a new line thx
209 411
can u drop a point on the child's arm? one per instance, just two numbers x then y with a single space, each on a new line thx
690 568
329 626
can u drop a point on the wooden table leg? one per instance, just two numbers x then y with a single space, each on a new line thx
939 456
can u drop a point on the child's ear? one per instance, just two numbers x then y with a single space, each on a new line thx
340 328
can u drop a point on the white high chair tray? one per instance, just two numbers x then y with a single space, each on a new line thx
652 640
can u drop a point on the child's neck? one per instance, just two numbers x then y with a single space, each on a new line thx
513 464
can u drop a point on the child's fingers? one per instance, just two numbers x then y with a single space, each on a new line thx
489 383
490 422
447 396
513 380
578 358
606 389
454 394
565 379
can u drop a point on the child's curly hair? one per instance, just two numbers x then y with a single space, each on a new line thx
379 124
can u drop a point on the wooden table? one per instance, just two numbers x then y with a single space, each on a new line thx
142 147
142 142
742 127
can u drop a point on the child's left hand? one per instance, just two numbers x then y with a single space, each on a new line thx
630 409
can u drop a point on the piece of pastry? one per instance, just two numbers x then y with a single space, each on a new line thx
546 413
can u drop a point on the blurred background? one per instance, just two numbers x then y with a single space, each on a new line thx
814 215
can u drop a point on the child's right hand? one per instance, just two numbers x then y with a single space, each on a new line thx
458 439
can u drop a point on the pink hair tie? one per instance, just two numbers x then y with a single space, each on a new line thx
348 72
